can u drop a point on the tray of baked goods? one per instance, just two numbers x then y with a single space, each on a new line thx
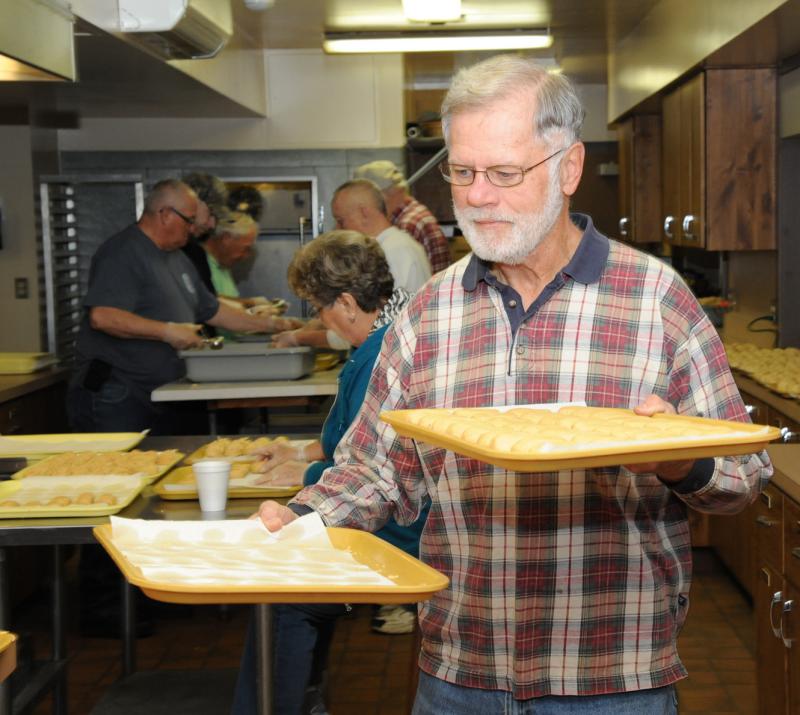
148 465
239 561
234 449
537 439
44 497
777 369
39 446
180 484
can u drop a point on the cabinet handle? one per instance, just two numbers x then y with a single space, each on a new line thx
669 222
788 436
767 578
751 410
787 608
766 497
765 521
777 597
688 220
623 226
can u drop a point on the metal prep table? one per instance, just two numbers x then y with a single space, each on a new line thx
55 534
267 393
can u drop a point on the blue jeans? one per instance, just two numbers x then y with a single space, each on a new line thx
118 406
301 638
436 697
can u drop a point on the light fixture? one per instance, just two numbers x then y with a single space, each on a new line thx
432 10
449 41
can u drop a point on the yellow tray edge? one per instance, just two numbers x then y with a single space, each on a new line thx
365 547
713 446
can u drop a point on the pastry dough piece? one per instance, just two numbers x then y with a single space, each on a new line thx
9 503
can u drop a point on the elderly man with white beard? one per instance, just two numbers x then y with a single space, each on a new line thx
567 589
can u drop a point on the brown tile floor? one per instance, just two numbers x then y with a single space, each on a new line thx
370 672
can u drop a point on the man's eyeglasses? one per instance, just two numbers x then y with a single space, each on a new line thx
190 220
502 176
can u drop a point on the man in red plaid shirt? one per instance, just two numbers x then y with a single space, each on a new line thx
567 589
406 212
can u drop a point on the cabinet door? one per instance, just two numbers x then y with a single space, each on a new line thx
625 152
693 158
741 144
671 165
770 651
791 632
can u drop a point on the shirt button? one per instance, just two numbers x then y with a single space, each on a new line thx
520 350
512 303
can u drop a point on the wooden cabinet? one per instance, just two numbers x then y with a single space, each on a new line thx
39 412
639 151
719 142
777 604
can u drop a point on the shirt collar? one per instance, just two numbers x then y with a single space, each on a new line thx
585 266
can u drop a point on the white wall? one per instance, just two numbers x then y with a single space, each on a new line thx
19 318
314 101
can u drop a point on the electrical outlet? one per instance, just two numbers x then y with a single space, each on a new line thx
21 288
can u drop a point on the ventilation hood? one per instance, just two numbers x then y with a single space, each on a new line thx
36 41
177 29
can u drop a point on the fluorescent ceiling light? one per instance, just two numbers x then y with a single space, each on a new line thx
432 10
366 42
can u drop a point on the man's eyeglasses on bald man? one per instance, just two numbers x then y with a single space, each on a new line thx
502 176
190 220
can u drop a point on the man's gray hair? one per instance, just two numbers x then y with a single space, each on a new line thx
166 193
364 189
559 113
236 224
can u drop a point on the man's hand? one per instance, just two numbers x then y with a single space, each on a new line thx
274 454
182 335
274 516
286 474
667 471
286 339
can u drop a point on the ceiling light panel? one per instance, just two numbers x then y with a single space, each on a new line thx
432 10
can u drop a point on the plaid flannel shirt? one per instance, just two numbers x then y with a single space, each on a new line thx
565 583
416 219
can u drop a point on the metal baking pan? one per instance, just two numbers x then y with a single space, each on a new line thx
241 362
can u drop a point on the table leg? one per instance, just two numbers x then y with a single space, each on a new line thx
264 658
212 421
59 631
128 628
5 691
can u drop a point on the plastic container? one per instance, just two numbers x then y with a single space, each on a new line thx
247 362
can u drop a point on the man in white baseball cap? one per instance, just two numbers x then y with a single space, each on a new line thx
406 212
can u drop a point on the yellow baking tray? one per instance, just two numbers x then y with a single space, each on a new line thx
200 452
412 580
731 438
32 469
180 484
8 654
42 489
39 446
24 363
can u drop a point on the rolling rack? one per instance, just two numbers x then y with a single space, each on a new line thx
78 212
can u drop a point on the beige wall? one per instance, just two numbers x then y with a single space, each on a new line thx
19 318
789 103
752 282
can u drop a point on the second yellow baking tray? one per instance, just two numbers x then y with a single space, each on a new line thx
180 484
